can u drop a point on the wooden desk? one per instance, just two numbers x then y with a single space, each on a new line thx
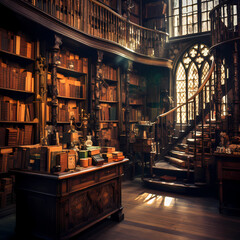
60 206
228 166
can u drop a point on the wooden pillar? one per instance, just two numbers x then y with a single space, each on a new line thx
97 95
236 102
54 90
127 111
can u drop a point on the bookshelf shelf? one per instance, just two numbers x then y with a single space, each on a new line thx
110 80
59 122
72 98
18 122
16 56
108 121
136 104
16 90
69 72
105 101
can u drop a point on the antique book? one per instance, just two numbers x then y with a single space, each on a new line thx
93 152
71 159
62 160
97 160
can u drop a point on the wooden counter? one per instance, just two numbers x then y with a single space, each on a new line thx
59 206
228 167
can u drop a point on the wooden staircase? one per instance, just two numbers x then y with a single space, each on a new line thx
185 168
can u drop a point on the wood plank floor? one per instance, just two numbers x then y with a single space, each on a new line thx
153 214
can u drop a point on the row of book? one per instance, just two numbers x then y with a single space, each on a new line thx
134 79
108 112
66 109
109 133
134 99
73 62
14 77
135 114
7 159
109 72
16 136
108 93
7 195
15 110
69 12
16 43
70 86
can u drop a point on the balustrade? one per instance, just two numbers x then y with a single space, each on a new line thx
98 20
225 21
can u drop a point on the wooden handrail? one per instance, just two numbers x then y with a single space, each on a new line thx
191 98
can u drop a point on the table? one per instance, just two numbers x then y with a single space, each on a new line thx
59 206
228 167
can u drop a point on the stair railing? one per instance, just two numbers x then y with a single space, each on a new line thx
200 111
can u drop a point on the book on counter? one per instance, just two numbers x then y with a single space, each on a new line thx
97 160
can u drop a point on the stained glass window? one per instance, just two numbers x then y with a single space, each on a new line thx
191 72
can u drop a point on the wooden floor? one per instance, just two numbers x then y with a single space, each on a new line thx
152 214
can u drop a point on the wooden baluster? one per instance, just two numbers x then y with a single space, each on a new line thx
180 119
162 134
195 131
210 117
203 148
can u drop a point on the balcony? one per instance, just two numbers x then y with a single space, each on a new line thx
225 21
100 21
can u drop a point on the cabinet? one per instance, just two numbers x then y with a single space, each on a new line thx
228 167
61 206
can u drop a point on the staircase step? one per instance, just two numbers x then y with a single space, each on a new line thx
181 155
174 186
182 146
176 161
163 167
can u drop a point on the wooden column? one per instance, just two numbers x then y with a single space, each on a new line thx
218 88
97 95
236 102
54 90
127 111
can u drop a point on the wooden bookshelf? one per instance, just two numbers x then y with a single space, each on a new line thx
16 91
16 57
71 84
70 72
20 122
72 98
105 101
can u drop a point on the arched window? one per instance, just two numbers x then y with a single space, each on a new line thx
191 72
190 16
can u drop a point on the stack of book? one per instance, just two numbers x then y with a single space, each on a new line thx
12 136
107 153
14 77
6 160
6 192
16 43
15 110
118 156
109 72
